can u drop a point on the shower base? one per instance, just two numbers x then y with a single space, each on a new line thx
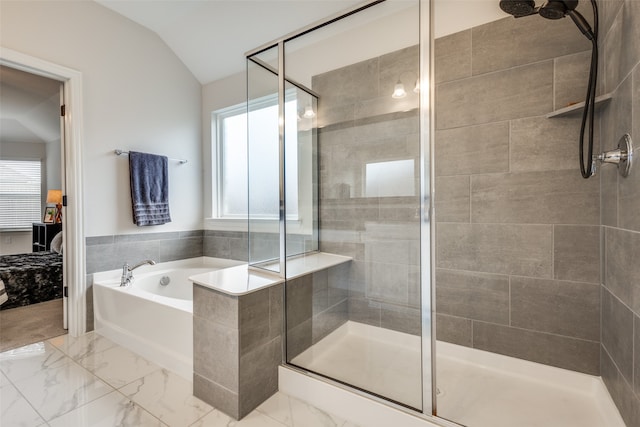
475 388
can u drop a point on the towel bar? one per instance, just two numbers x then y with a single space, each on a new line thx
120 153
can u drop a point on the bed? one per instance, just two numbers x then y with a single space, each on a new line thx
31 278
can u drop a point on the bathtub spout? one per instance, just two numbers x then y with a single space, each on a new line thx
127 272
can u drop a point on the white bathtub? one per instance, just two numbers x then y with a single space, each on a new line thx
152 320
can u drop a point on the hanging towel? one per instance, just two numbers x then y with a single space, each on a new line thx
3 293
149 188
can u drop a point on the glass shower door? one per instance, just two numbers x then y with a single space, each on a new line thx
360 323
263 154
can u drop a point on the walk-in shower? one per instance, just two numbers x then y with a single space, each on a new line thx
427 167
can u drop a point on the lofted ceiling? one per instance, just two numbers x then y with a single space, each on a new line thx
211 36
29 107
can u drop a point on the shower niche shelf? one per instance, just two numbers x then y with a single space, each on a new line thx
577 108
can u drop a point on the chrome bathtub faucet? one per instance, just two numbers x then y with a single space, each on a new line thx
127 272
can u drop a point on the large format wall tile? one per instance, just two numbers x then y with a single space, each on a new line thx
508 94
348 84
636 354
558 307
571 77
621 392
563 352
110 252
617 333
510 42
622 268
552 197
401 318
216 352
477 296
576 253
635 96
621 47
453 56
494 248
472 149
629 187
452 201
542 144
456 330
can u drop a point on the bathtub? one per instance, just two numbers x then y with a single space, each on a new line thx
150 319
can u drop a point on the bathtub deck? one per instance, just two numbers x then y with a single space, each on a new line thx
476 388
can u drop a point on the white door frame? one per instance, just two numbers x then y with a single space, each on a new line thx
74 241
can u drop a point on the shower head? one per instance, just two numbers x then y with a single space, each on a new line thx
518 8
557 9
552 9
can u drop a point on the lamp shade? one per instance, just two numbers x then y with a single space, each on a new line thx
54 197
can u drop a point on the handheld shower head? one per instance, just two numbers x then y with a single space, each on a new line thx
518 8
557 9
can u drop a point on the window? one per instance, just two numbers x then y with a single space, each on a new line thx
229 128
20 200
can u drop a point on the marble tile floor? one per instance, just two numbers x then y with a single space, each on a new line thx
91 381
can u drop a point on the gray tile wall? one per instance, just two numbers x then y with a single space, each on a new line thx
517 235
237 347
316 305
362 124
620 348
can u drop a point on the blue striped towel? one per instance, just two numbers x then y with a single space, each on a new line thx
149 188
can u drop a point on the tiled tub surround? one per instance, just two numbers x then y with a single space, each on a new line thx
620 216
237 347
237 320
517 234
360 125
151 319
104 253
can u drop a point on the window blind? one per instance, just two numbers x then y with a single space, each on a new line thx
20 198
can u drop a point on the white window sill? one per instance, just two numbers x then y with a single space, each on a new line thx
258 225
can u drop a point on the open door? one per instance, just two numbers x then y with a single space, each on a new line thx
63 176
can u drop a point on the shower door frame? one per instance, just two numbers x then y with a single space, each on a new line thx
427 212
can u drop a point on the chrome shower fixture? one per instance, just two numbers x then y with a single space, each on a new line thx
622 156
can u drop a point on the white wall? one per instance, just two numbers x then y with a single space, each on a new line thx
54 165
137 95
215 96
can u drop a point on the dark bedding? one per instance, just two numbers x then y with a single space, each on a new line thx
31 278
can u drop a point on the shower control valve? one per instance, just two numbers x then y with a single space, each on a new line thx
622 156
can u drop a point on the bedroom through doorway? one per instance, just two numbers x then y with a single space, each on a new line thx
31 215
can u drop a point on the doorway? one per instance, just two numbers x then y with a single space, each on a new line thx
31 220
73 244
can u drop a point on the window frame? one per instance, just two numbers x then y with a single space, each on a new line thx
233 221
28 226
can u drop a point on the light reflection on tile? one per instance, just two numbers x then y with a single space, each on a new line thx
167 396
23 362
15 410
56 391
111 410
295 413
82 346
218 419
50 386
118 366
